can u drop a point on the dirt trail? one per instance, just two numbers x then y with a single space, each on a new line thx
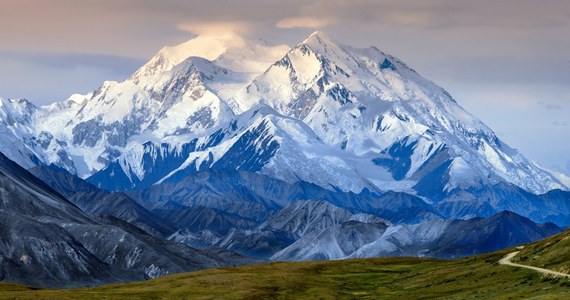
507 261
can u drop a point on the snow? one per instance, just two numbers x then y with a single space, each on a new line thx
493 157
563 178
461 175
321 246
176 118
227 50
331 108
397 237
306 66
154 271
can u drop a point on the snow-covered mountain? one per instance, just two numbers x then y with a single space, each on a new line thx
319 151
369 103
177 94
324 113
15 115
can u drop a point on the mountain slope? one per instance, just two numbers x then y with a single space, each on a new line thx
458 238
98 202
500 231
551 253
24 194
47 241
302 217
34 248
43 254
400 207
323 231
318 230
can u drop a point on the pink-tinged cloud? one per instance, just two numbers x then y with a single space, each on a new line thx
305 22
217 28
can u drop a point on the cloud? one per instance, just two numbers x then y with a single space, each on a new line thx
305 22
47 77
556 105
216 27
114 63
560 123
413 18
550 106
441 14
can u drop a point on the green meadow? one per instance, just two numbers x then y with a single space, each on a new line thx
477 277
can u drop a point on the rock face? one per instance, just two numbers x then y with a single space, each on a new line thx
47 241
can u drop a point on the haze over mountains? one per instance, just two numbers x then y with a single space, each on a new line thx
320 151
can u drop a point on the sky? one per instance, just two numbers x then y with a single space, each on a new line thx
507 62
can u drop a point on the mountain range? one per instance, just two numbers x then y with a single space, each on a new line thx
317 151
46 240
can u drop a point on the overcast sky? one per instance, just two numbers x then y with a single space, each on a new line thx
507 62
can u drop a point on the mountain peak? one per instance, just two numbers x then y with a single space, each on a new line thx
227 50
320 35
206 47
319 39
209 47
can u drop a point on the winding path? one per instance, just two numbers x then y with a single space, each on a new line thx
507 261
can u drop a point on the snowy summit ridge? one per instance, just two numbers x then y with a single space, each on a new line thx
321 112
